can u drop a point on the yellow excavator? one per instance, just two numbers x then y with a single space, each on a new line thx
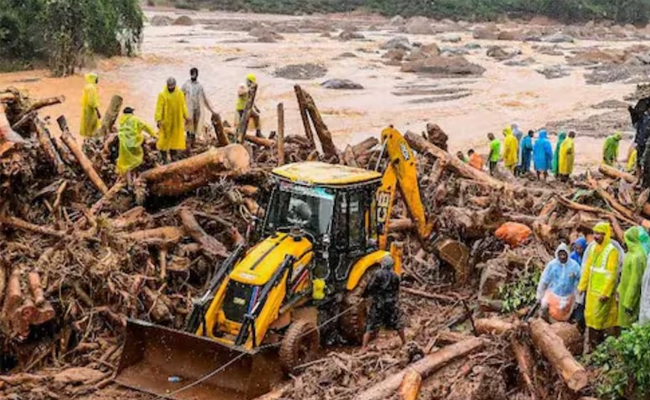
326 230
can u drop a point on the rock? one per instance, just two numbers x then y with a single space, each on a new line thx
398 20
500 54
558 37
301 71
419 26
610 104
347 54
473 46
267 39
550 51
430 49
395 54
596 56
325 34
526 62
486 33
398 42
416 55
161 20
350 35
493 277
510 35
554 72
183 20
263 31
457 51
454 65
77 376
341 84
452 39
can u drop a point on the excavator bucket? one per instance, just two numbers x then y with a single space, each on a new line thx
183 366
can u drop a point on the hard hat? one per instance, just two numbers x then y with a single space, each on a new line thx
251 77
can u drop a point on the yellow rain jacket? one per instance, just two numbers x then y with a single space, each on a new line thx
171 113
632 161
598 279
130 135
242 93
510 147
89 106
567 156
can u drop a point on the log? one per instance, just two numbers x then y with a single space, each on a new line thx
14 294
410 387
246 115
18 223
194 172
400 225
525 362
268 143
115 189
493 326
570 336
424 367
163 236
84 162
437 171
616 174
280 134
422 146
626 212
45 139
349 158
364 146
42 103
110 116
217 124
6 133
36 288
7 97
456 254
551 345
209 244
324 135
305 116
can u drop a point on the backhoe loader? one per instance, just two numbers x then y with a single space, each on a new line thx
325 230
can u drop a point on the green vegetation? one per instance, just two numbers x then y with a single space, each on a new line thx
625 364
61 33
521 292
622 11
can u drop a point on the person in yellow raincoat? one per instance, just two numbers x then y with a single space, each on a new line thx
632 155
510 149
598 280
567 157
171 117
90 114
242 99
130 154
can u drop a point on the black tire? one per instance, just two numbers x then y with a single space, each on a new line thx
353 323
299 345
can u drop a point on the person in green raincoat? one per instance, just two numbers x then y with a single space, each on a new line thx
598 280
90 114
610 148
629 290
130 154
556 154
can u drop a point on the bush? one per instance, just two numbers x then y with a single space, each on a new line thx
625 365
521 292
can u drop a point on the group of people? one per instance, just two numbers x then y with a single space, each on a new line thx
178 119
520 152
599 284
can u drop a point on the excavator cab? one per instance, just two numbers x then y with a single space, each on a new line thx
324 231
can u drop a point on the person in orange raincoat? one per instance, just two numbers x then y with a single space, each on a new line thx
171 117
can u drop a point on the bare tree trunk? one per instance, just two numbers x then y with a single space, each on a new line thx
304 115
222 138
110 116
280 134
322 131
45 139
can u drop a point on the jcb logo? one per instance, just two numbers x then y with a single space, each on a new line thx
383 201
405 151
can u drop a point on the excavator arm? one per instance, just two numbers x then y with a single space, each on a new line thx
401 173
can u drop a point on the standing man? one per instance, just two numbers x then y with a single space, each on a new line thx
598 281
510 149
610 149
242 99
519 135
526 149
557 287
384 311
495 152
171 116
629 290
130 137
566 157
542 155
195 99
90 114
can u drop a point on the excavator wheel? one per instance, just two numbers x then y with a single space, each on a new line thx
299 345
353 322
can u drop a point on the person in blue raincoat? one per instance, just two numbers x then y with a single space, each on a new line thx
526 149
579 247
556 290
542 155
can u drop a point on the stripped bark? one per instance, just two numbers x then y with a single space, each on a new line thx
110 116
304 115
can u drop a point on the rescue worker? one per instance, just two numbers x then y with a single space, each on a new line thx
242 99
629 290
519 135
510 151
610 149
632 157
171 116
566 157
579 247
195 99
90 114
475 160
644 307
526 153
556 154
542 155
462 157
494 154
557 286
598 281
130 137
384 311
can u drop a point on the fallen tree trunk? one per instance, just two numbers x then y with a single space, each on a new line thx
84 162
493 326
110 116
220 133
570 336
306 103
280 134
305 116
424 367
525 363
616 174
410 387
194 172
45 139
36 288
551 345
208 243
163 236
626 212
268 143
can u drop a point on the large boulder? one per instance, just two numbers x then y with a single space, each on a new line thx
341 84
416 56
398 42
183 20
558 37
488 32
395 54
161 20
500 54
453 38
454 65
430 49
265 35
596 56
347 35
398 20
419 26
511 35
